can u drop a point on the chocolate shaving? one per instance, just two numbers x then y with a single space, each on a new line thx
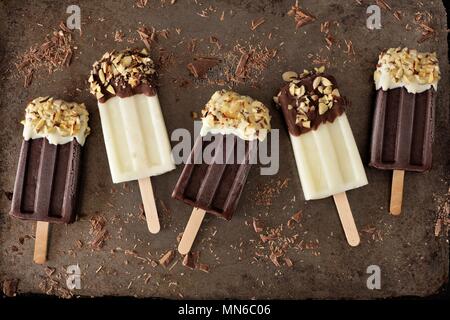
288 262
52 287
297 216
265 238
53 54
240 69
203 267
200 66
301 17
49 271
215 41
423 19
258 226
274 258
147 36
383 4
118 36
189 261
99 233
141 3
443 215
10 287
191 46
398 15
167 258
256 23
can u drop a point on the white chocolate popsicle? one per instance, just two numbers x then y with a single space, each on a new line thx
136 139
327 158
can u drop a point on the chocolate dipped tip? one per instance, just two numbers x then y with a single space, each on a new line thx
123 74
309 99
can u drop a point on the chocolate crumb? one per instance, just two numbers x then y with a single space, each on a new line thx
194 115
189 261
258 226
240 69
10 287
274 258
147 36
118 36
288 262
9 195
200 66
203 267
383 4
297 216
167 258
257 22
98 232
141 3
49 271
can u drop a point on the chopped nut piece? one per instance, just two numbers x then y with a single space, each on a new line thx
289 76
335 93
248 118
322 108
56 120
326 82
306 124
317 82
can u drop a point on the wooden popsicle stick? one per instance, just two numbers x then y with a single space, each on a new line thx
41 242
148 199
398 179
347 221
191 230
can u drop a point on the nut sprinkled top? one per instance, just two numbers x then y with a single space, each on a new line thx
416 71
56 120
309 99
123 74
231 113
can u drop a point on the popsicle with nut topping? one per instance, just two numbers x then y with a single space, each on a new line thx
402 136
135 134
325 150
232 125
47 178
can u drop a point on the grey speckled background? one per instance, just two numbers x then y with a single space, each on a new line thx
412 259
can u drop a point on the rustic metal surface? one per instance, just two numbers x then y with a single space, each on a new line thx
413 261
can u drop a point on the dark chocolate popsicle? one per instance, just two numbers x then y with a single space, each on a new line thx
46 182
402 135
214 184
49 166
403 130
215 187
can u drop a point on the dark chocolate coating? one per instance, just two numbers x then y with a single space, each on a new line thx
125 91
46 182
403 127
286 99
215 188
